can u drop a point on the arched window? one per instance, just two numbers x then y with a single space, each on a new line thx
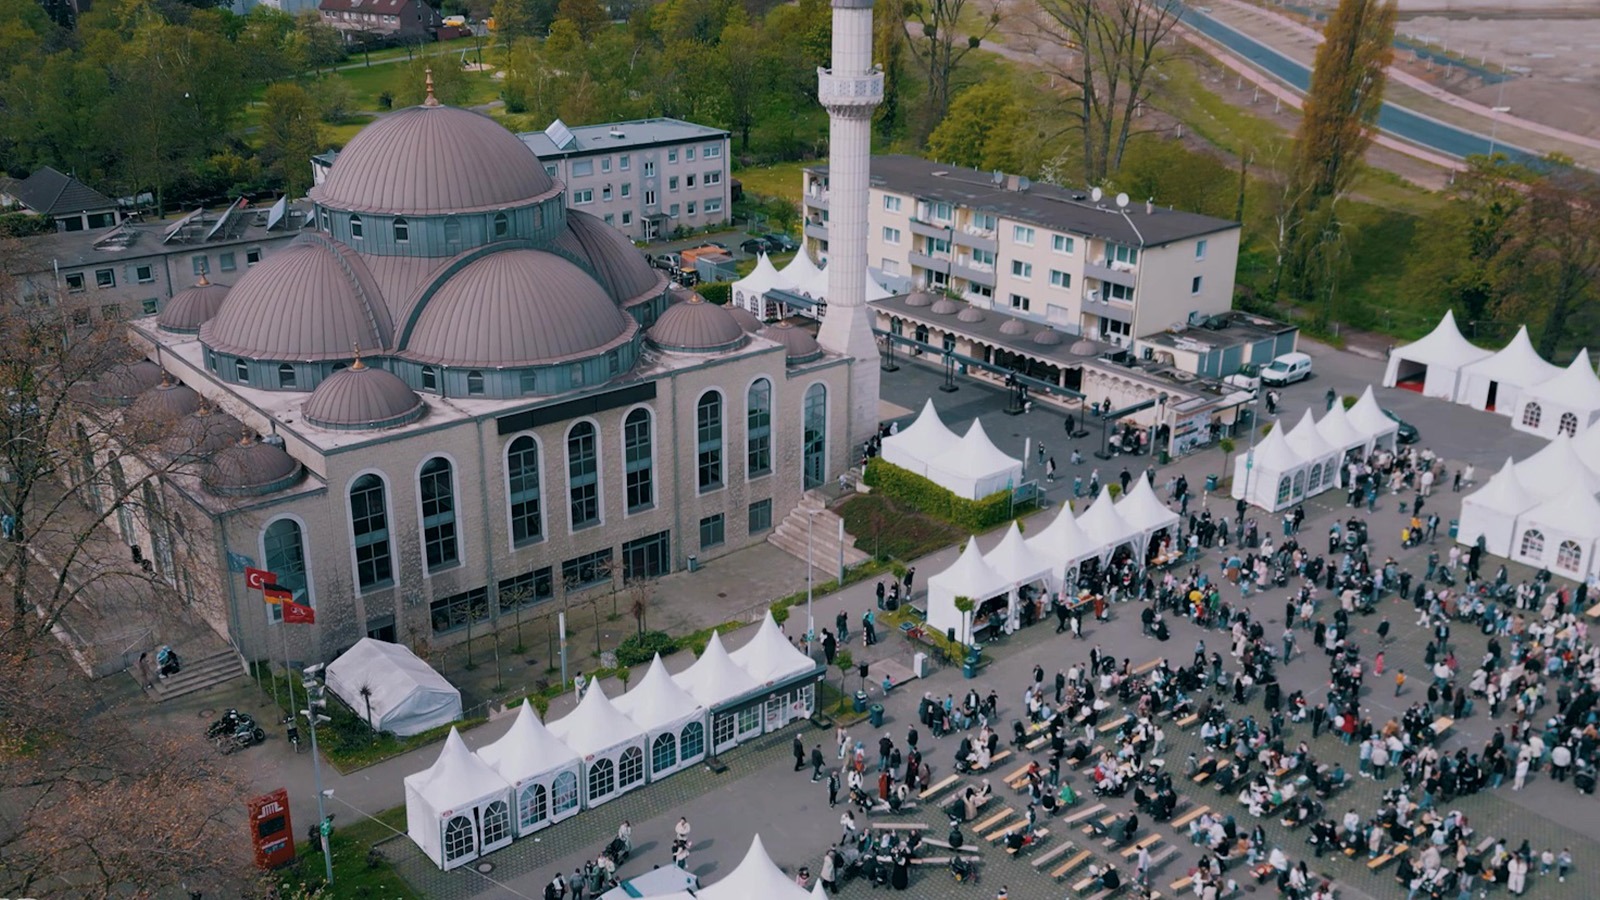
1283 489
758 429
1569 556
284 552
369 526
430 378
602 779
502 225
921 334
563 793
1532 542
663 753
1531 414
402 231
630 769
522 487
1569 424
452 232
437 487
533 806
355 227
708 432
496 823
1299 484
1315 481
475 383
692 741
638 462
583 476
286 377
460 841
815 435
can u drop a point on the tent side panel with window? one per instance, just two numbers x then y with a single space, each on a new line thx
1268 477
724 689
1560 535
459 808
613 748
786 678
674 722
406 695
542 771
1065 545
1565 405
1496 384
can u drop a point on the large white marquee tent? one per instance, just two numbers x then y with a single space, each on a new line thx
542 771
458 808
1269 476
1496 383
1309 444
1142 509
611 745
974 468
757 877
1336 429
1367 417
1542 511
800 278
1491 511
1065 546
1566 404
405 695
715 680
781 670
1108 526
910 447
1435 361
969 576
674 722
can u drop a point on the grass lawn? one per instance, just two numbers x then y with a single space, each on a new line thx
883 527
778 180
353 874
367 84
1187 95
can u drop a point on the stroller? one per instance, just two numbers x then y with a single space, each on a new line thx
617 850
963 870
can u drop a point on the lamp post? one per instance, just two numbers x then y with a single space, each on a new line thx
315 702
949 386
811 625
1250 455
1499 109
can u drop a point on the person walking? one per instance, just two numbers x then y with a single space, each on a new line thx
1050 470
799 749
833 789
816 763
1288 644
1399 681
847 827
1383 632
869 635
681 830
911 573
830 646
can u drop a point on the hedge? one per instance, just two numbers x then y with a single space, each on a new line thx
941 503
718 292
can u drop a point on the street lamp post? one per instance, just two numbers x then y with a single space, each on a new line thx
949 386
1250 454
315 702
1500 108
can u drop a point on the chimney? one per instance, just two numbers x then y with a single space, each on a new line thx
1150 206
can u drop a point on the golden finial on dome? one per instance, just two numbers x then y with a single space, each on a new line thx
429 100
358 364
203 281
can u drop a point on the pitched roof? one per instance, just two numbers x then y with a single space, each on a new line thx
49 193
376 7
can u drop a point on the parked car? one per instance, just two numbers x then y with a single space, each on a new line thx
1248 378
717 244
1408 433
781 243
757 245
669 261
1287 369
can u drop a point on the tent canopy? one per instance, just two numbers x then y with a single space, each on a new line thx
769 657
1576 387
1142 509
974 467
1504 492
1307 442
968 576
1367 417
749 291
804 277
1257 476
527 750
1513 370
1442 353
714 678
657 701
1575 513
1336 429
407 696
1062 542
925 437
1015 561
1105 524
595 725
756 877
1556 470
1491 511
457 783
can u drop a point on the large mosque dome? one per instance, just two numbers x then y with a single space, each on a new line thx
627 276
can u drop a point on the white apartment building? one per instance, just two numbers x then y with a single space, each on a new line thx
1075 260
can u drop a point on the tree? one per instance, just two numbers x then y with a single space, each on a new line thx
409 84
1453 262
933 30
979 129
1336 128
517 19
889 49
290 135
588 16
844 662
739 63
1548 270
320 45
1107 51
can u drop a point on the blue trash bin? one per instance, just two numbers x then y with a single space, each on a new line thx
1455 528
859 702
875 715
1211 482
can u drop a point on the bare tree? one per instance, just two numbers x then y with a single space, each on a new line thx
934 33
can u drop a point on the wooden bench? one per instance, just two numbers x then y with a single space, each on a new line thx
937 860
1398 850
1442 725
1112 726
1019 777
1182 884
1183 821
1133 849
1188 722
1005 826
993 820
1594 611
1202 777
994 761
1085 813
1160 858
1050 856
949 782
1142 668
899 826
1061 871
943 844
1039 837
1105 823
1038 743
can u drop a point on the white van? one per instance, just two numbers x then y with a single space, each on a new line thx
1287 369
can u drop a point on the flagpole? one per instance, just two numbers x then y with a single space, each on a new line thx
283 629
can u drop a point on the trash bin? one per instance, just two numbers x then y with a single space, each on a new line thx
875 715
860 702
1163 456
694 563
1211 482
969 667
891 604
1455 528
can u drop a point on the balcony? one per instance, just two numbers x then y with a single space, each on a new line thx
818 230
977 240
1095 303
931 263
975 272
817 199
930 229
1111 272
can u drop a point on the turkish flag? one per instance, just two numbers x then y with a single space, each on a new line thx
256 579
298 614
277 595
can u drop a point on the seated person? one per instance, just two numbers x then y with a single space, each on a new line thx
1014 840
1129 829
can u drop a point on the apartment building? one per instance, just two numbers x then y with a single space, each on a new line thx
1108 268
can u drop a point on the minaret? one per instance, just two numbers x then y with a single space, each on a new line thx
851 90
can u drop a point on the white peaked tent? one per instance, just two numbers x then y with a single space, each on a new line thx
542 771
407 696
1016 562
1436 360
1497 383
756 878
1336 429
769 657
913 445
1491 511
612 746
1557 470
1566 404
459 808
1367 417
1142 509
1105 525
974 468
1064 546
1587 445
817 893
715 680
1560 535
968 576
1274 477
1308 443
804 277
673 721
749 292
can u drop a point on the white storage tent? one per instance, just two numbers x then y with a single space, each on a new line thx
1273 477
1064 546
1336 429
542 771
1556 470
1496 384
1566 404
673 721
1434 362
1142 509
968 576
406 695
757 877
912 446
1367 417
1560 535
715 680
612 746
974 468
459 808
1104 524
1491 511
1307 442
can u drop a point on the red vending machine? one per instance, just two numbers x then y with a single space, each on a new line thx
271 832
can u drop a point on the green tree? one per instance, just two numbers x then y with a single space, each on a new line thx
290 136
889 49
409 84
934 29
978 130
1549 270
739 63
588 16
1452 265
517 19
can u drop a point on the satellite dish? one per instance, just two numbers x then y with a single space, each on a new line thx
1122 201
1096 194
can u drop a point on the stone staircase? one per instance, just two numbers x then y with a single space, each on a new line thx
198 675
790 535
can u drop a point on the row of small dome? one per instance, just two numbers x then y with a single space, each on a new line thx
943 306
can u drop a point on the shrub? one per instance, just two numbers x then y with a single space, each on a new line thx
640 649
924 495
718 292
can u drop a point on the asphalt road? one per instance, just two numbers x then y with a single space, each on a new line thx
1395 120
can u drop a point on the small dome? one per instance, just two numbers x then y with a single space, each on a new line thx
695 326
1048 337
944 306
162 407
1013 326
921 298
362 397
122 383
971 314
193 307
619 265
202 434
433 159
746 319
517 308
798 344
1084 347
250 468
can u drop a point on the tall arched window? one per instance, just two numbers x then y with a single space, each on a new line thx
1315 481
1283 489
496 824
369 527
602 779
460 839
758 429
563 793
436 485
583 476
815 418
533 806
638 465
1569 424
284 552
1299 484
1569 556
1531 414
522 487
355 227
1532 542
663 752
502 225
286 377
630 769
452 232
402 230
708 433
692 741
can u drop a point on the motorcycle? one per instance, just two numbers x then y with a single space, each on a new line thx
235 731
167 662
